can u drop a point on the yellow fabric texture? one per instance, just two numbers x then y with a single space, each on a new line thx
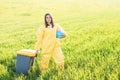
50 45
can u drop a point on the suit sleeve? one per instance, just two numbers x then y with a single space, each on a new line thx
40 35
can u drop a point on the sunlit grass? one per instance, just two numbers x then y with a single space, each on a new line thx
92 50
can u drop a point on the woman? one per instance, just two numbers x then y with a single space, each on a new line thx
50 45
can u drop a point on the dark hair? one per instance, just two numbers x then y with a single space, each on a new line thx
46 24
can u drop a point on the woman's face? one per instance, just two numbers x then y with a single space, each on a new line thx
48 19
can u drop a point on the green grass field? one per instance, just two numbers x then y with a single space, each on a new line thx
92 48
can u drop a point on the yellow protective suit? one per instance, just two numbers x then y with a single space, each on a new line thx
50 45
